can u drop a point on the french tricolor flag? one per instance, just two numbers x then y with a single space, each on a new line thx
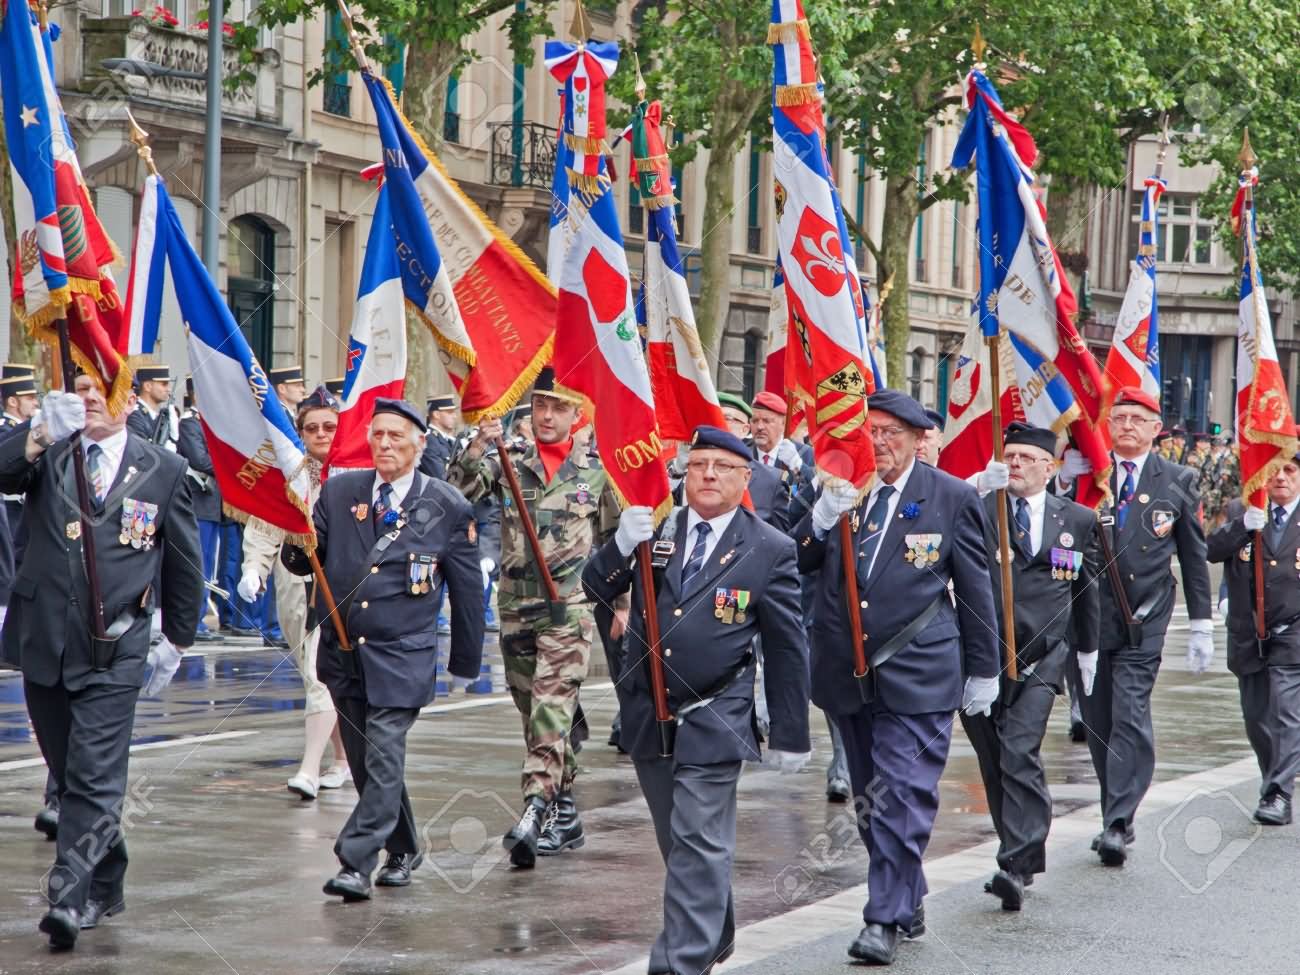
144 290
376 345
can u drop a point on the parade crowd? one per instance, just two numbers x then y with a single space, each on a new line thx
749 581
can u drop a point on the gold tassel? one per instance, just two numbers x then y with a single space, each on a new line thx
586 145
650 162
659 202
789 31
787 95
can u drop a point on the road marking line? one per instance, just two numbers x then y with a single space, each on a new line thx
842 913
145 747
483 702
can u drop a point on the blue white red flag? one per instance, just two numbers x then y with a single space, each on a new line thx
826 370
598 352
376 344
1022 285
144 289
256 454
1266 432
1134 357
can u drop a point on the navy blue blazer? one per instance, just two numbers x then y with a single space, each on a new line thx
960 641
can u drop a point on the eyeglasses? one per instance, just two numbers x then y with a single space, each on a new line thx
1023 460
887 433
1130 419
319 427
719 467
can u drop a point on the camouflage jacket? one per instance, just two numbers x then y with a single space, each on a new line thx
574 514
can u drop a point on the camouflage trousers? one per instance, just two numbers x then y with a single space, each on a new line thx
545 666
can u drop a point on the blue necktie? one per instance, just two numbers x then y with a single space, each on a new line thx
1125 492
384 503
94 467
876 525
696 560
1023 536
1278 527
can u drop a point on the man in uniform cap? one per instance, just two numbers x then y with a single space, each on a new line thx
289 385
546 648
155 417
927 451
1055 559
917 532
1268 670
726 579
335 386
1155 517
193 446
771 445
385 537
443 418
18 388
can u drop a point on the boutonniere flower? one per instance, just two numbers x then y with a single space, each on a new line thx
911 510
391 516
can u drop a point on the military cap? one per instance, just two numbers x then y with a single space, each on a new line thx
399 407
153 374
901 405
335 386
523 411
1201 436
545 386
1028 434
770 401
15 370
1135 396
936 418
434 403
285 374
735 402
23 384
706 436
321 398
1163 435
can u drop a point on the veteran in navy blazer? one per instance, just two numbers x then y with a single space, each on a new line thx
917 530
387 539
725 578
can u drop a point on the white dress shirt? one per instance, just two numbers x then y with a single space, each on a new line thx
1121 473
767 457
1288 508
400 487
717 525
111 459
1037 508
899 485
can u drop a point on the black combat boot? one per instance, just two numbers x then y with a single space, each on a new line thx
562 828
521 841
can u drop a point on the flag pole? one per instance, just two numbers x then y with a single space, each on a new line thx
1248 159
328 595
665 721
993 342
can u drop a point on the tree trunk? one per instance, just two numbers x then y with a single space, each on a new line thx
22 347
1068 210
898 225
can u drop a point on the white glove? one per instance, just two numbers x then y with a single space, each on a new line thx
1074 464
635 525
1200 646
995 477
1088 671
835 499
460 683
788 454
166 660
786 762
978 695
486 566
61 414
1255 519
173 428
1223 608
250 584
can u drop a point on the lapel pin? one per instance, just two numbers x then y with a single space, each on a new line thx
1144 498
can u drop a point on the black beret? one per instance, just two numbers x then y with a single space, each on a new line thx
1024 433
439 403
399 407
707 436
901 405
320 398
285 374
335 386
154 374
545 386
20 385
936 418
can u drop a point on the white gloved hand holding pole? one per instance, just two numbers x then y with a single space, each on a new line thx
994 477
1074 464
788 454
1255 519
61 415
835 499
1088 671
635 525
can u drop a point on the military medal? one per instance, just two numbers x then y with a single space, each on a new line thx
923 549
1067 539
584 493
719 601
73 530
726 558
361 510
128 520
729 611
742 601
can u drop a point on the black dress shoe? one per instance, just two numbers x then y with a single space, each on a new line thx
96 909
348 884
1113 849
1078 732
62 924
244 631
396 871
562 828
1129 837
522 839
1274 810
875 944
1010 888
916 929
275 643
47 821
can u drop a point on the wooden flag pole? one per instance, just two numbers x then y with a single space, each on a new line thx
1004 527
665 722
530 530
849 564
319 572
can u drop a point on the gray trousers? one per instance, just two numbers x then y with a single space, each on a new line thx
1008 745
1120 735
85 737
694 812
1270 705
374 740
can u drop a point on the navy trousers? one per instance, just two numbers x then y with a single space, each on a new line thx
895 761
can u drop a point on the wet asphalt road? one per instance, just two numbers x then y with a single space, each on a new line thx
226 864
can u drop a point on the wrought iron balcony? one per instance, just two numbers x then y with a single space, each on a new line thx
522 154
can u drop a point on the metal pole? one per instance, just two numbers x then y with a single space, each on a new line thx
212 143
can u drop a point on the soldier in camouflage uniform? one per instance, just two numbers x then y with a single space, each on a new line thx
1227 480
573 508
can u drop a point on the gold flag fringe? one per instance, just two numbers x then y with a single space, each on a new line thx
516 391
305 541
789 31
650 162
592 186
461 352
787 95
659 202
587 145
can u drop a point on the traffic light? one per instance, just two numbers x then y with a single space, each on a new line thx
1216 429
